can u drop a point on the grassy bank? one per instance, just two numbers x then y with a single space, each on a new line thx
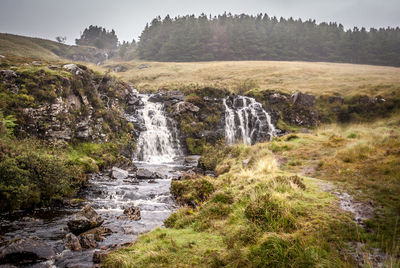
239 76
272 213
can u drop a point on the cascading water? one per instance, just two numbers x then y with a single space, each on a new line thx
158 146
246 121
158 143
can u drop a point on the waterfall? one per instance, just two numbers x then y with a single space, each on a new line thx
158 143
246 121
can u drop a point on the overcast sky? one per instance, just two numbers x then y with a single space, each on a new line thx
50 18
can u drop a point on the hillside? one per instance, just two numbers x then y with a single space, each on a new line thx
42 49
318 78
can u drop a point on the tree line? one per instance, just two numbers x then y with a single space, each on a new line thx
260 37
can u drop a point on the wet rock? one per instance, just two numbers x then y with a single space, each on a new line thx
72 242
133 213
25 251
158 97
119 174
99 233
99 256
88 241
302 99
192 160
144 174
84 220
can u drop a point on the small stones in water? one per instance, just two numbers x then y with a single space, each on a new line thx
88 240
72 242
131 213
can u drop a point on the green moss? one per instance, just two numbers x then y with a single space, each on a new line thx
195 146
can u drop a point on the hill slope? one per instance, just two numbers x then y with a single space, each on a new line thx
22 46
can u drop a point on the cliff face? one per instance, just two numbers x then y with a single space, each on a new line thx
64 102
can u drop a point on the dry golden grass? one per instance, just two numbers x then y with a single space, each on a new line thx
317 78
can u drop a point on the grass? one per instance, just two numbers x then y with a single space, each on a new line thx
263 215
255 216
316 78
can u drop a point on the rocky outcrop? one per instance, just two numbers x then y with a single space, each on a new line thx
26 251
55 106
84 220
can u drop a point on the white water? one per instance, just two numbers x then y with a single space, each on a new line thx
246 121
156 144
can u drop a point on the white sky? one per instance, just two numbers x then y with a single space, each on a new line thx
50 18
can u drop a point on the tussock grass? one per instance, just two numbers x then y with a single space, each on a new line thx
257 216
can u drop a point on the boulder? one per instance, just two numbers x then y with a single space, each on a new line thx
119 174
2 57
183 107
73 68
88 240
158 97
8 74
72 242
143 66
133 213
98 233
192 160
84 220
301 99
144 174
25 251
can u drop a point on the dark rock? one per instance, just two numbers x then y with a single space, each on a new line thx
99 256
88 241
25 251
302 99
158 97
119 174
72 242
365 100
336 99
8 74
84 220
144 174
133 213
99 233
